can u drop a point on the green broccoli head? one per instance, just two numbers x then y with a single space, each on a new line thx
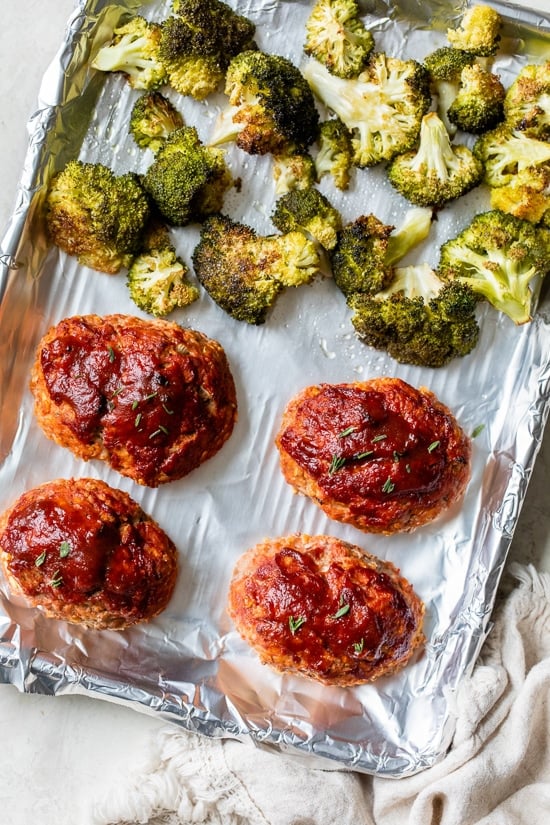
527 195
198 42
244 272
418 319
382 108
309 211
157 282
152 119
527 101
437 171
479 102
502 258
187 181
134 51
445 66
337 37
271 107
293 170
478 32
505 153
335 155
95 215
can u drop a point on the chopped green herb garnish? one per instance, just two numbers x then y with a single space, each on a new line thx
117 392
56 580
160 429
111 354
135 404
389 486
433 446
342 610
365 454
408 467
396 456
39 560
64 549
337 462
347 431
151 395
380 437
137 420
167 411
295 624
477 430
358 646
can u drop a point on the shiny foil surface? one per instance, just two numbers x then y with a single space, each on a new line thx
189 665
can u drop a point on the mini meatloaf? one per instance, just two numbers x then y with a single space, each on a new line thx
88 554
380 454
151 398
323 608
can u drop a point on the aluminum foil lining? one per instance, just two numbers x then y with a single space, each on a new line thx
189 665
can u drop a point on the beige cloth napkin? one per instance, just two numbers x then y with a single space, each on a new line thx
496 773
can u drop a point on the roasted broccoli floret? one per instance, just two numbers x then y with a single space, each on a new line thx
309 211
478 32
337 37
502 258
293 170
271 107
157 282
418 319
436 172
479 102
367 250
445 67
95 215
335 155
199 41
505 153
152 119
187 180
527 195
527 102
383 107
134 51
244 272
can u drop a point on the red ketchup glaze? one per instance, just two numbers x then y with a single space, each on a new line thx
342 611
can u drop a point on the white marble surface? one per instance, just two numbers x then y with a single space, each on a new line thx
77 744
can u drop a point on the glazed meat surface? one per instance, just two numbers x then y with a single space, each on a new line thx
87 554
323 608
151 398
380 454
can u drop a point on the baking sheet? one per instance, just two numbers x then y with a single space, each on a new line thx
189 665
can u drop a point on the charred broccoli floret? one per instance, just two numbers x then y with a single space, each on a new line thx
505 153
502 258
199 41
478 31
244 272
152 119
309 211
134 51
95 215
382 108
479 102
367 250
527 195
527 102
187 180
337 37
445 67
293 170
436 172
271 107
335 155
418 319
157 282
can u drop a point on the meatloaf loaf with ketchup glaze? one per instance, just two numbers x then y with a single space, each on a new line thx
88 554
151 398
380 454
323 608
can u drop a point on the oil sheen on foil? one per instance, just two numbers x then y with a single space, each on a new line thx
189 665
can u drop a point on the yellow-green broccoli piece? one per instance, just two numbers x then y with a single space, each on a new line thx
367 250
335 155
96 216
445 67
437 171
271 108
502 258
337 37
152 119
478 31
418 319
293 170
198 42
527 195
505 153
187 180
157 282
134 51
309 211
244 272
479 102
382 107
527 101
